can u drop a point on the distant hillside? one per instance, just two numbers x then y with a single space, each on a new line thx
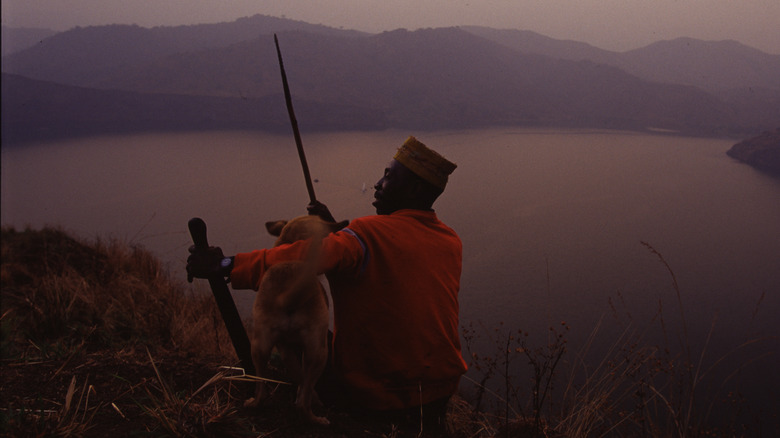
762 152
83 55
38 110
15 39
431 78
528 42
710 65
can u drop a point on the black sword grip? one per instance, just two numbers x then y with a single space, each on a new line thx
225 303
198 232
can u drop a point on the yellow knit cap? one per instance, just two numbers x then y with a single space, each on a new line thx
424 162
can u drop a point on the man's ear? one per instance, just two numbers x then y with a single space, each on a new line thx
415 191
425 192
275 227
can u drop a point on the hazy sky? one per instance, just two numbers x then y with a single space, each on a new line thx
608 24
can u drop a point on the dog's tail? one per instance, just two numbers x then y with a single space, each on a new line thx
300 294
288 286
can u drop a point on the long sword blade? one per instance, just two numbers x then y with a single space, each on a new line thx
294 122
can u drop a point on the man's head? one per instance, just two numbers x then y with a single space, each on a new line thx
414 179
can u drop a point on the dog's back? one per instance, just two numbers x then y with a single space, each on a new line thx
290 283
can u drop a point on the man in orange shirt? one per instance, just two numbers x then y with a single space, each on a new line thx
394 278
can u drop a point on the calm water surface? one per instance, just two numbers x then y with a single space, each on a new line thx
551 221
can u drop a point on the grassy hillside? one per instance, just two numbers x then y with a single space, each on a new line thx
77 322
98 340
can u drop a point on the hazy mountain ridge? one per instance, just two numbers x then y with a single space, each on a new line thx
83 55
15 39
526 41
762 151
710 65
39 110
430 78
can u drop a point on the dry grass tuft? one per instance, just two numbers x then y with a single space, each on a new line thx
70 305
60 294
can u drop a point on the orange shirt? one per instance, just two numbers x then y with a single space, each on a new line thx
394 281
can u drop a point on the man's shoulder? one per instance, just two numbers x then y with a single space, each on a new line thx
367 222
420 219
395 217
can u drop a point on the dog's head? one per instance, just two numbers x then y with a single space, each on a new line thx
301 228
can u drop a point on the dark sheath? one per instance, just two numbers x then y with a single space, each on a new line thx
227 308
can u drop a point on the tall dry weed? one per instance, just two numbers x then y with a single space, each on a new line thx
635 387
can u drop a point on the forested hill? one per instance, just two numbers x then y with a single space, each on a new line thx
227 74
762 151
40 110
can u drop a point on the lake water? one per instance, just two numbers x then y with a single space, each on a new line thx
551 221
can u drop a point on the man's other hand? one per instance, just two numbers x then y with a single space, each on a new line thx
317 208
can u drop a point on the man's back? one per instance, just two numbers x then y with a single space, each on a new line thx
396 341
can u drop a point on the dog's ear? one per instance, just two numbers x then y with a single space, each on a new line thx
275 227
335 226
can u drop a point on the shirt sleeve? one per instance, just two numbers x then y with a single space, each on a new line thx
340 252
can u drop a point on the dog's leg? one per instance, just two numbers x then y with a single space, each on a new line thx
262 344
315 357
292 361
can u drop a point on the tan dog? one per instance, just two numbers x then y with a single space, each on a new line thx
291 314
